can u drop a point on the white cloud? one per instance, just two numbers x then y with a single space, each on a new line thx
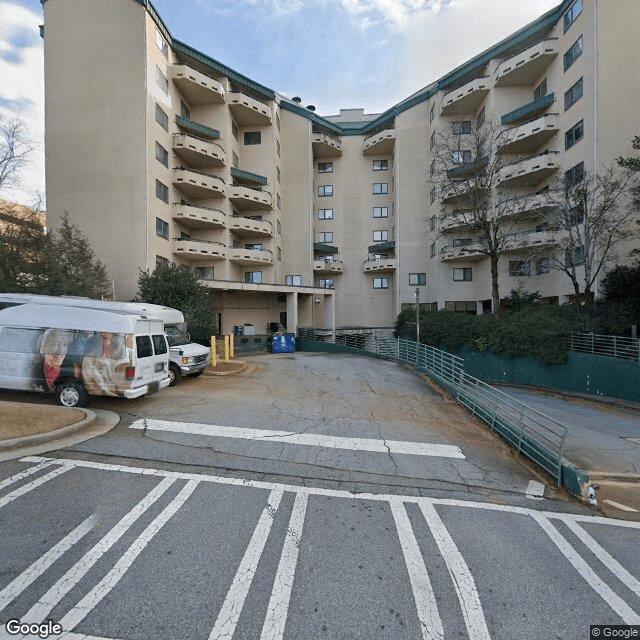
22 89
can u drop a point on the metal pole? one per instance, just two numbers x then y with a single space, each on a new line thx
417 315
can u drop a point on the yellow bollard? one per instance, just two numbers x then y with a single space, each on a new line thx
226 348
214 354
231 343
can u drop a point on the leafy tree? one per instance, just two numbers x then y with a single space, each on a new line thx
622 291
177 286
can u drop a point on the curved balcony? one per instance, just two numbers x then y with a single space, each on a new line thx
379 265
247 110
194 217
379 143
242 226
529 171
530 136
530 239
198 152
467 253
467 98
528 207
249 198
453 221
195 86
527 66
328 265
326 146
200 250
251 256
197 184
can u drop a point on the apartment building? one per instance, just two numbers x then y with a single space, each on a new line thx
160 153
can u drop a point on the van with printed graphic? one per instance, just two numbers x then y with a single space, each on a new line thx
75 353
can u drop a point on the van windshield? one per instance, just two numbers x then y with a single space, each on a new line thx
175 337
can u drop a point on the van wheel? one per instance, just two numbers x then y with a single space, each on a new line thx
174 374
195 374
71 394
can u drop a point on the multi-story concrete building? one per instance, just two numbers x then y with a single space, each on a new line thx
160 153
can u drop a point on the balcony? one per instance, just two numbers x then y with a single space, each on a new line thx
197 151
379 265
379 144
467 98
527 66
324 249
461 191
454 221
529 111
382 247
194 217
195 86
250 256
529 171
528 207
197 184
250 198
248 111
200 130
530 239
242 226
530 136
200 250
247 178
326 146
467 253
328 265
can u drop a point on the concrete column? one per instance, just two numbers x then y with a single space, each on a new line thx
329 312
292 312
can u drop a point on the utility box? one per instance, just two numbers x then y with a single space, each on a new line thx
285 343
248 329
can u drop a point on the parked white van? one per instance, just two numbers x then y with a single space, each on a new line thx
75 352
186 357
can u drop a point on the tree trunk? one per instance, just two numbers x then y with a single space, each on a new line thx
495 294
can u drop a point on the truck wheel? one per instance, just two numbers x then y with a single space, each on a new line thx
195 374
174 374
71 394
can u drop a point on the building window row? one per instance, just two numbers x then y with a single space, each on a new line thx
162 155
161 43
380 165
573 95
161 81
325 236
575 51
162 191
162 228
380 212
574 135
325 167
380 188
327 283
381 283
252 137
162 118
381 235
293 280
464 274
417 279
325 190
325 214
572 13
460 127
253 276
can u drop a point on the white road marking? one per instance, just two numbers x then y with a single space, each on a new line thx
609 561
25 488
29 575
54 595
535 490
461 577
26 473
276 618
617 505
628 615
231 609
91 600
425 600
70 635
308 439
333 493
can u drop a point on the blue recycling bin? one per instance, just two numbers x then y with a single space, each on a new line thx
284 343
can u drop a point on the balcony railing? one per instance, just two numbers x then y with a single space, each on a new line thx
328 265
379 143
251 256
530 135
529 110
248 110
199 217
197 87
529 171
470 252
197 128
199 249
382 247
197 183
247 226
467 98
253 178
325 145
249 197
324 249
379 264
526 67
198 151
529 239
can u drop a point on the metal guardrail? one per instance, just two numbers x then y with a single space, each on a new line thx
611 346
532 433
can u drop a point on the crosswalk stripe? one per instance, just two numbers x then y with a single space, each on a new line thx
307 439
276 618
30 486
54 595
231 609
26 473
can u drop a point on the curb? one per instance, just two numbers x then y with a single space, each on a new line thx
40 438
244 367
630 479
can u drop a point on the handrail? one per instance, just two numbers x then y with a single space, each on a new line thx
197 206
200 241
444 97
243 186
191 135
252 250
373 135
252 221
538 155
200 173
523 122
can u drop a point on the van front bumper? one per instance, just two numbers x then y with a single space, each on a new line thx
146 389
194 368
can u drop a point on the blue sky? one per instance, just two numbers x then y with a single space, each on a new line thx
332 53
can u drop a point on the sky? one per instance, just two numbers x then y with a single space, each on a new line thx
332 53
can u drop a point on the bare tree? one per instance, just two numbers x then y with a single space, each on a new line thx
15 149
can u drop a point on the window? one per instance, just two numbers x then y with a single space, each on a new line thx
253 276
253 246
460 127
162 118
325 214
433 249
162 155
144 347
463 275
279 253
162 262
575 134
161 43
432 112
184 110
294 281
380 165
380 212
480 118
252 137
234 130
325 167
432 195
432 168
278 201
325 190
519 268
327 283
432 140
381 283
461 306
541 90
575 215
542 266
461 157
573 54
380 188
432 223
205 273
574 11
161 81
325 236
278 174
278 147
162 228
417 279
574 175
381 235
159 344
235 160
279 227
578 257
162 191
573 95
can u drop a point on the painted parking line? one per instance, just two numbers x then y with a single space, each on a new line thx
308 439
25 474
622 507
30 486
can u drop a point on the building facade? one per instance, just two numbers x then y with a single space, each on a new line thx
160 153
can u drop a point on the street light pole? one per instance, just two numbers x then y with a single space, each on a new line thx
417 315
